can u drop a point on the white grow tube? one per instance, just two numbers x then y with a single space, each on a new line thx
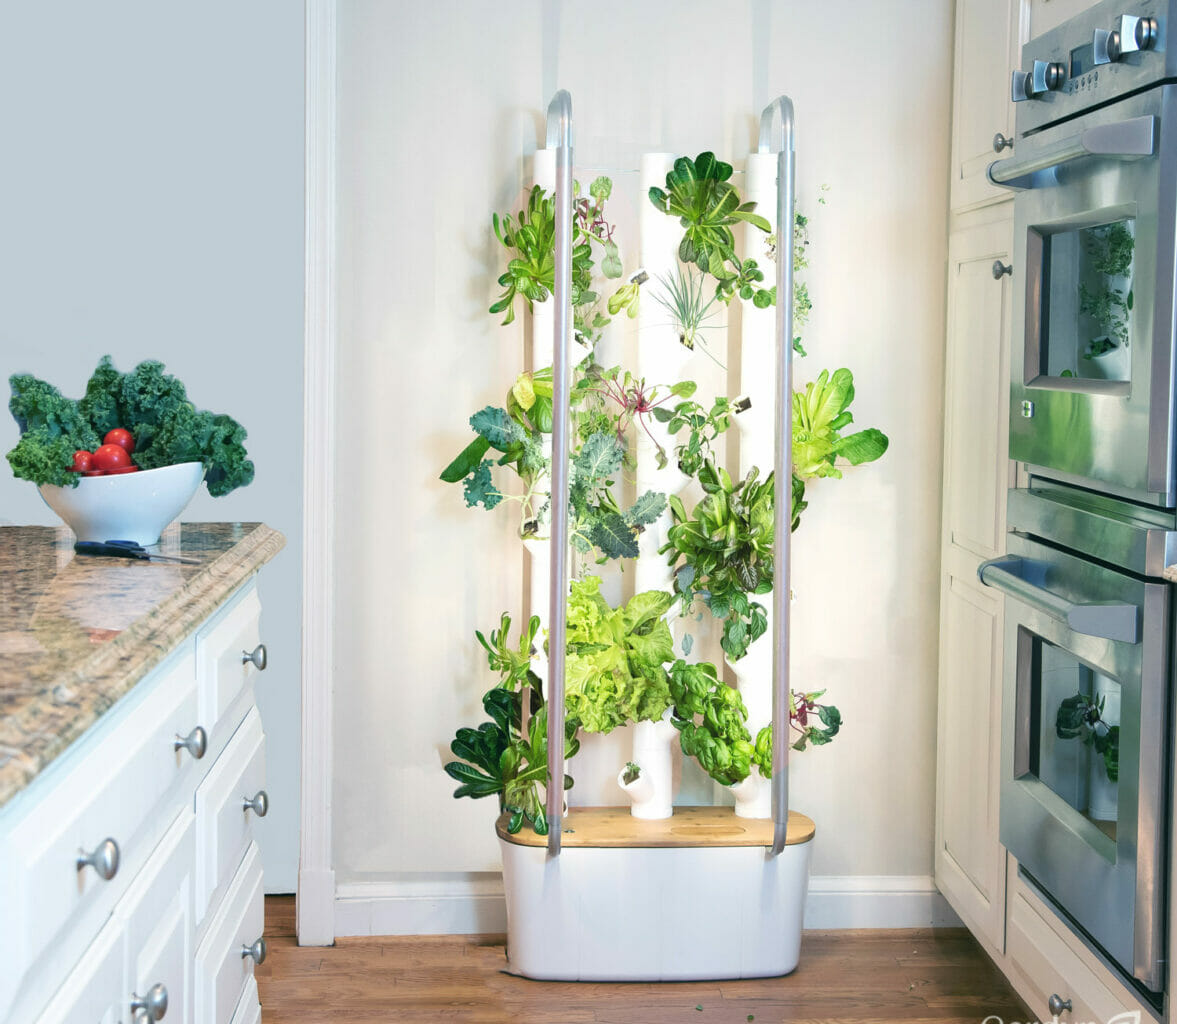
607 904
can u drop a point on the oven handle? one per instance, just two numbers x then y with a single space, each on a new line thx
1120 140
1023 577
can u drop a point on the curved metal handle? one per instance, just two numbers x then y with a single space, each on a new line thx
781 110
1000 269
1056 1004
559 138
196 743
104 859
1120 140
256 952
152 1006
257 656
1000 142
259 803
1023 578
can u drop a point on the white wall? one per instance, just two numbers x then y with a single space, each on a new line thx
151 206
440 106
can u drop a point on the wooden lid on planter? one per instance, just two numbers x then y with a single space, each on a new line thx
689 826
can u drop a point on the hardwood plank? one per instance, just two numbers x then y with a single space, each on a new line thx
921 976
689 826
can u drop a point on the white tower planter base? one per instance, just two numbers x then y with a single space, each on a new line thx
617 903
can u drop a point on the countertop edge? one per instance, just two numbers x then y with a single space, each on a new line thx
118 666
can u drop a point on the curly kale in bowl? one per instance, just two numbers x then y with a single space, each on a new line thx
150 403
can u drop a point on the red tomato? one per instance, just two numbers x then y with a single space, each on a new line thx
124 469
81 461
110 456
94 472
122 438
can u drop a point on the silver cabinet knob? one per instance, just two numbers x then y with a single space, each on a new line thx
257 656
1000 142
196 743
260 803
1001 269
104 860
256 952
1056 1004
151 1006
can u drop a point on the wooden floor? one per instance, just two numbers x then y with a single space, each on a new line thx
909 976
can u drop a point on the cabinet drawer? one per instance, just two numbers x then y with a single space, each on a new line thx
110 791
93 992
1046 964
249 1010
223 825
222 973
220 646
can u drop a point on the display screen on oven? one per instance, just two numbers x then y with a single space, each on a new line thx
1081 60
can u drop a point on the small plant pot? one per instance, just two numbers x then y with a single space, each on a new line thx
753 797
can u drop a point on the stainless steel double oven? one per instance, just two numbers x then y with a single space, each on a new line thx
1089 666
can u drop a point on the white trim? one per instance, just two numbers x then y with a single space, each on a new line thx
316 876
474 905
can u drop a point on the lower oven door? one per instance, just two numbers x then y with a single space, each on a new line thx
1083 740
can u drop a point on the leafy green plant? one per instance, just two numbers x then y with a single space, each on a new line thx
614 666
820 415
1081 717
497 759
699 193
722 552
710 717
809 722
703 427
530 237
151 404
513 664
802 304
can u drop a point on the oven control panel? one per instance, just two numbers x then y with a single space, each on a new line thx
1097 56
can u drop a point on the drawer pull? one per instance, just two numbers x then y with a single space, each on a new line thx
260 803
196 743
1056 1004
256 952
104 860
257 656
151 1006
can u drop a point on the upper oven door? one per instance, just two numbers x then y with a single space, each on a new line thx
1092 389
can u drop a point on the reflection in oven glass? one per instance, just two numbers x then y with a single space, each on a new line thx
1089 271
1077 746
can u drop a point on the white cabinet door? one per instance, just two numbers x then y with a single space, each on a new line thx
976 413
989 38
157 911
970 861
93 992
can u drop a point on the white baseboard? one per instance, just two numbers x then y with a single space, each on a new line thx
470 905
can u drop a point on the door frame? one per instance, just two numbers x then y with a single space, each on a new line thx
315 901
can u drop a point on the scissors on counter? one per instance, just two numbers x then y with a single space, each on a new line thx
127 549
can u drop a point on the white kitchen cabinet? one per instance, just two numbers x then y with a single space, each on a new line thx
989 38
976 384
79 948
970 860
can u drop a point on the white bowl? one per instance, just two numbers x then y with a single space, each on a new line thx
128 506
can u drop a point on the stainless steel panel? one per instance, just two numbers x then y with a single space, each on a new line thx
1112 888
1117 433
1141 540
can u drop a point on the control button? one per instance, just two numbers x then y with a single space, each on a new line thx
1043 77
1130 34
1028 409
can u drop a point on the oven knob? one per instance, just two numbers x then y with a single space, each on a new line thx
1130 35
1043 77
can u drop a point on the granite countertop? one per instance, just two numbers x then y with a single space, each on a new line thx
78 632
1170 573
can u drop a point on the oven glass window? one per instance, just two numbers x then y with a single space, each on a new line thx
1087 278
1076 736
